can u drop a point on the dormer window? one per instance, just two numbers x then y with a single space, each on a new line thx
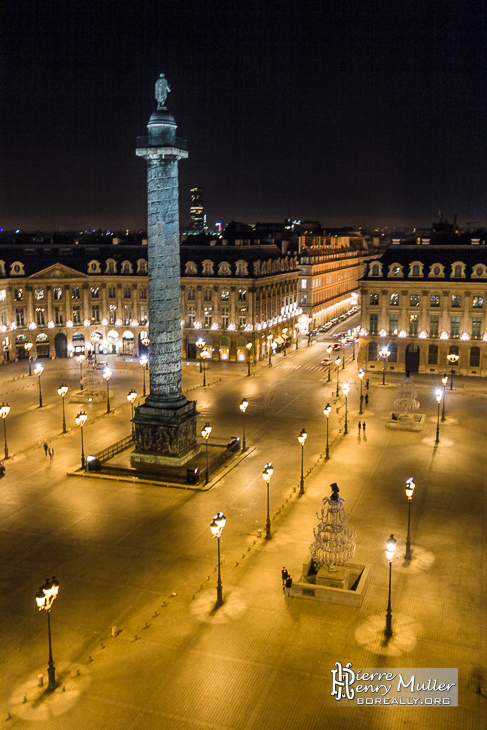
478 271
190 269
94 267
207 268
416 269
458 270
375 270
224 269
111 266
395 270
437 270
17 269
142 266
241 268
126 267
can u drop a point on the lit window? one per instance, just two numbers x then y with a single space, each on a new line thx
95 292
435 300
394 300
456 300
374 299
477 301
58 293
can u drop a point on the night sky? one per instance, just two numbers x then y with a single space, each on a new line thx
351 112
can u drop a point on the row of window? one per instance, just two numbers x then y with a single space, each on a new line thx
224 294
224 314
435 270
94 267
435 300
40 294
433 352
76 314
434 325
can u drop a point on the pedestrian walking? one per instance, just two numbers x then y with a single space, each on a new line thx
287 589
284 576
46 449
366 399
51 453
367 384
359 427
363 427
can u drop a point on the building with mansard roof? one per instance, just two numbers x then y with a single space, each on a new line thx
424 299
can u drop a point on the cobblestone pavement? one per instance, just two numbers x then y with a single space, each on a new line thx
137 642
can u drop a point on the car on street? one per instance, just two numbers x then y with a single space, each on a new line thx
336 346
2 470
327 361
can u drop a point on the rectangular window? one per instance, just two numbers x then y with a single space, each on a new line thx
225 315
374 324
456 300
374 300
476 328
474 357
39 294
112 313
224 295
95 292
40 319
143 315
414 300
19 317
112 292
242 317
207 295
4 317
433 355
58 316
393 324
127 292
3 295
304 284
435 300
191 316
413 324
57 292
18 295
477 301
127 313
95 314
394 300
434 325
76 315
455 327
242 295
75 292
208 316
142 292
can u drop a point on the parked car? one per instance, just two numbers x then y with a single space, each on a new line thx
2 470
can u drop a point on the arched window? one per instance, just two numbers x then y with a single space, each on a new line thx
111 266
392 347
433 355
415 271
457 272
126 267
375 270
454 350
474 357
373 350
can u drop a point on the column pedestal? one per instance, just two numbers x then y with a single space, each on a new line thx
165 434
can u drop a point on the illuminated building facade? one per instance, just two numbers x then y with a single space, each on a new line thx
426 299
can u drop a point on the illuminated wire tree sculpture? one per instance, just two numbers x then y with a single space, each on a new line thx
334 542
406 396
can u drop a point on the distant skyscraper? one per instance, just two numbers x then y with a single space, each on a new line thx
198 218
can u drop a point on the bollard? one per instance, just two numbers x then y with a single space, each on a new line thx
40 680
259 533
114 630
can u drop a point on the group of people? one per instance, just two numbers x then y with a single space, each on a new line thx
361 427
48 450
287 582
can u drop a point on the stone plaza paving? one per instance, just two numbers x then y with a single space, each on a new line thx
136 641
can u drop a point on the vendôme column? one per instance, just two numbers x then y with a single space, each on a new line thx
165 425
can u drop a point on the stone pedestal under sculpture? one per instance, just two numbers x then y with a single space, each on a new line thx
165 425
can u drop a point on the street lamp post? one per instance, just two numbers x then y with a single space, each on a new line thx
80 359
343 358
131 396
329 350
206 434
249 347
390 550
302 438
216 528
38 370
444 380
438 398
4 411
409 493
384 354
62 390
107 374
452 359
80 421
28 347
337 363
143 363
327 411
361 374
266 476
45 598
269 347
346 391
243 408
